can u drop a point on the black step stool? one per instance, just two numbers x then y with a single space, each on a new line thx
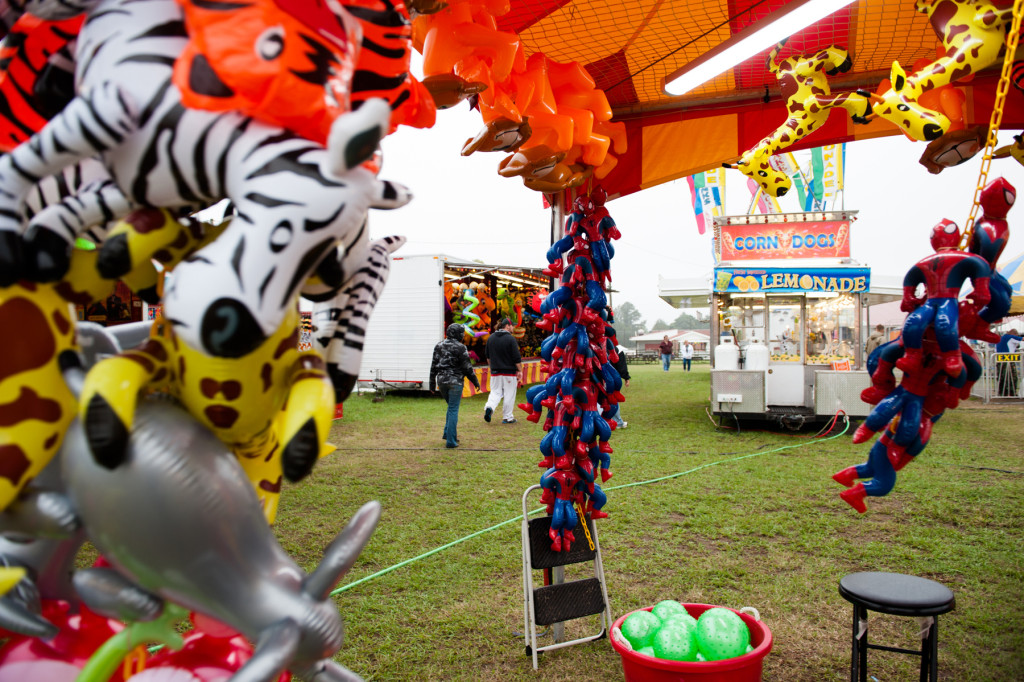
897 595
560 601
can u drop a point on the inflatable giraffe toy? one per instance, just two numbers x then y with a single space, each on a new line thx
973 34
35 405
272 406
809 101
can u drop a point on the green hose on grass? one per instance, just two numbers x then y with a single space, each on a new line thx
436 550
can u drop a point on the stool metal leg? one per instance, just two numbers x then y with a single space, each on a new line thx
859 655
930 653
862 612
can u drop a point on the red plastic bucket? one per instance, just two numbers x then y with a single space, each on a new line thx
745 668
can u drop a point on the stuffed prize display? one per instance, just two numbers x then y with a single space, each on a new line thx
226 347
551 117
669 632
582 391
939 367
295 199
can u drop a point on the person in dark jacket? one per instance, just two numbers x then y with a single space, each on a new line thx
665 347
622 368
448 369
506 369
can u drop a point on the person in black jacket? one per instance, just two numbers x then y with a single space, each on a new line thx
623 369
448 369
506 369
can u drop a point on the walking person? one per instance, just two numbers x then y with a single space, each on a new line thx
448 369
506 370
666 352
622 367
687 355
875 340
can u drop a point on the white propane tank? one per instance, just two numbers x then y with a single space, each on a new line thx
757 356
727 355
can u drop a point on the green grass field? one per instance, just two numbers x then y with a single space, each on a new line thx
767 531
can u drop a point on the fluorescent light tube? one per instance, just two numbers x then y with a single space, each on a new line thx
755 38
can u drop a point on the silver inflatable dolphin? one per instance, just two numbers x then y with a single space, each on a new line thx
180 522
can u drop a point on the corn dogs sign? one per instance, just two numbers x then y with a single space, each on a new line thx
782 280
826 239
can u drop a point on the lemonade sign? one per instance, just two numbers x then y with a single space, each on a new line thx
782 280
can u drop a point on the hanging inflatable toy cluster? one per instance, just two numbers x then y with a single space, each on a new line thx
583 389
939 367
925 103
550 116
199 475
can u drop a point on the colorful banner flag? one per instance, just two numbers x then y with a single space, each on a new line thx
698 206
833 162
707 191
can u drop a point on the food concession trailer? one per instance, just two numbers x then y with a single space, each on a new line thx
787 316
420 300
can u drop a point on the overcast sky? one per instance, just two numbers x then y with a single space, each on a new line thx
462 207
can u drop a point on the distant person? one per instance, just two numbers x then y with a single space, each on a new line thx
1007 371
449 366
506 370
687 356
622 367
666 352
876 339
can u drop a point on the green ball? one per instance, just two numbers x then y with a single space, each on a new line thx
639 628
683 617
721 634
647 651
666 608
676 641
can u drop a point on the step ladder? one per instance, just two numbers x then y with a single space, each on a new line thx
551 605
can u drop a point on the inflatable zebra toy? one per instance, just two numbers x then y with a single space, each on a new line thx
295 200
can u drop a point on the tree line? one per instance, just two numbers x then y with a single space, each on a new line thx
629 322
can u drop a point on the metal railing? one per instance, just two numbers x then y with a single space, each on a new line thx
1000 377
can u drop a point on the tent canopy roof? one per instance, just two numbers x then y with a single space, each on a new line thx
632 49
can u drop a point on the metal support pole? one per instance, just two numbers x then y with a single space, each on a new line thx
557 578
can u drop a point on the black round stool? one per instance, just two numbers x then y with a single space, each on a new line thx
898 595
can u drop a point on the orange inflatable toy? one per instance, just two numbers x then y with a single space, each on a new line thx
382 69
24 54
312 66
234 63
544 169
463 36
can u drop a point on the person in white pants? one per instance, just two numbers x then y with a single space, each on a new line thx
506 369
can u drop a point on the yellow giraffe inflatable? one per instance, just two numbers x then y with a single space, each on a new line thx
809 101
36 406
973 34
273 406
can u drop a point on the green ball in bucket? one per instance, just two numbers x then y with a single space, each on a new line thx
639 628
683 617
722 634
666 608
676 640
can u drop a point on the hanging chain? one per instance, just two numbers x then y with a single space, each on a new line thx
586 528
1012 37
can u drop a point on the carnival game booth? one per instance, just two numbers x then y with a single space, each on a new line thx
787 308
427 293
